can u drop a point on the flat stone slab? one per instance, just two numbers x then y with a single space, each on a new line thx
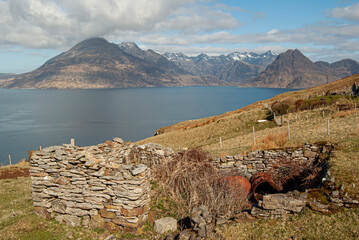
166 224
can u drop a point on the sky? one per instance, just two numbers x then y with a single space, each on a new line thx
33 31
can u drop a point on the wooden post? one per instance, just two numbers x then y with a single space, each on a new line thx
72 142
288 132
355 106
10 159
40 148
254 137
328 126
220 143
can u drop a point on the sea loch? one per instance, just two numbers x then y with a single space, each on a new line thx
33 118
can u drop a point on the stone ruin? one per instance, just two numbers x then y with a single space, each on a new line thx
108 185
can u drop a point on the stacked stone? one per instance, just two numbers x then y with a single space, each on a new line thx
277 205
263 161
94 186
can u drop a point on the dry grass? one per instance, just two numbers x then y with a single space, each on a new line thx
192 180
273 141
342 114
308 225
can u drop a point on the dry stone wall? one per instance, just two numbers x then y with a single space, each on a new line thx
106 185
264 161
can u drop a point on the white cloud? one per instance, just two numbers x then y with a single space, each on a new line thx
349 12
47 24
187 25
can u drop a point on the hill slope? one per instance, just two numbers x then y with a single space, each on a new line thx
206 131
96 63
293 70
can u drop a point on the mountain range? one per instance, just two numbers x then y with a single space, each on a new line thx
234 68
97 63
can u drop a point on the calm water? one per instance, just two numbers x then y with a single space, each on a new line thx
33 118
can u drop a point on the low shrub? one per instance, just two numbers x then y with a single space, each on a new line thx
191 179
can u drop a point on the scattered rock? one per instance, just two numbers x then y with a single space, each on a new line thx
186 234
243 217
111 237
166 224
42 212
319 207
69 235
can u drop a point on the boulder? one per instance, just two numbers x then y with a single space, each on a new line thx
166 224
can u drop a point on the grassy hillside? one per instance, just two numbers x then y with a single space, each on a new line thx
307 111
306 125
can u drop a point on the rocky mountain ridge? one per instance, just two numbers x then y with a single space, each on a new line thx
234 68
292 69
96 63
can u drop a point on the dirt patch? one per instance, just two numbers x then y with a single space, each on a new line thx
13 172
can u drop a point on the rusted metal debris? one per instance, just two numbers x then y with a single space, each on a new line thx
238 184
262 183
289 175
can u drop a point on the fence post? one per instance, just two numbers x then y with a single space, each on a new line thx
288 132
10 159
328 126
72 142
254 137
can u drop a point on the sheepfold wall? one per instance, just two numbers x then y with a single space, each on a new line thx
270 160
107 185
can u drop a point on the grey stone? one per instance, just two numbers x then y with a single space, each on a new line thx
166 224
59 206
118 140
111 237
69 220
283 201
138 169
51 149
85 206
76 212
186 234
